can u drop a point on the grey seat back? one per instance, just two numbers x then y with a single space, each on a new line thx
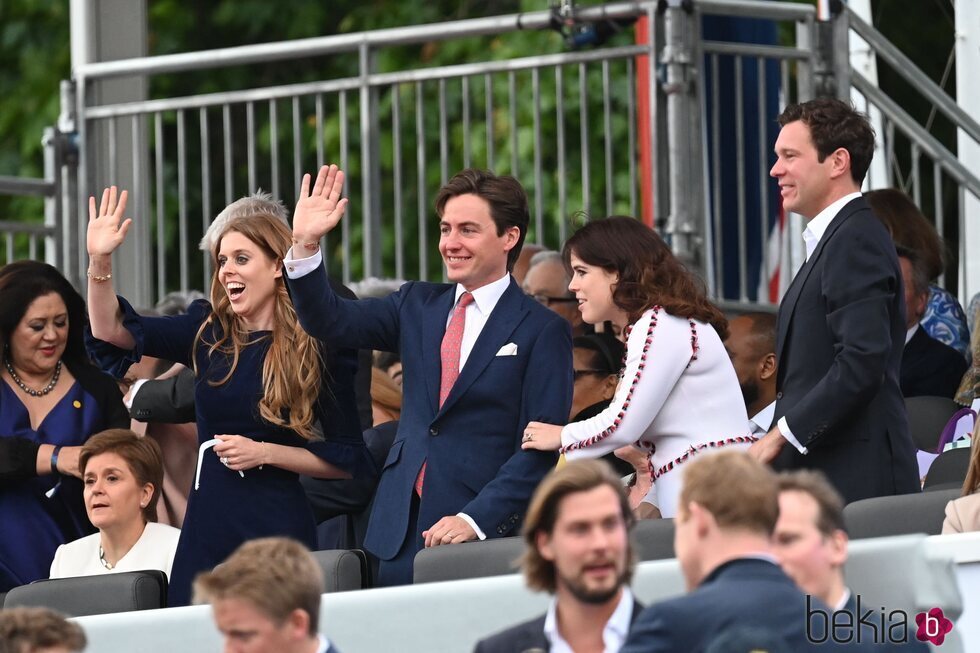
343 570
902 514
949 469
654 539
927 417
496 557
89 595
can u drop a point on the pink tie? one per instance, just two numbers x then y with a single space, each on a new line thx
449 353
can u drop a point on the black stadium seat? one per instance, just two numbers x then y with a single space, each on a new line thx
88 595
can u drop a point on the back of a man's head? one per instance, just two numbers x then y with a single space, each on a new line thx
738 491
33 630
543 512
728 510
275 575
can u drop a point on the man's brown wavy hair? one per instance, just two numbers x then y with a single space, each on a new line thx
649 273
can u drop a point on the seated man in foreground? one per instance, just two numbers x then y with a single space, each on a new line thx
727 513
266 598
576 535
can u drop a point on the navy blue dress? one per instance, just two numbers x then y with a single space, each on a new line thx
40 513
228 509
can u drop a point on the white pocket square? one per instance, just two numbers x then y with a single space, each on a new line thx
510 349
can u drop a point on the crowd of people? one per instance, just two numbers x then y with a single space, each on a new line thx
437 414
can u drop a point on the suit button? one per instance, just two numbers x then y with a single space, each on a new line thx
433 431
779 395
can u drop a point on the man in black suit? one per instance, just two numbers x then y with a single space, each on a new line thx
577 536
929 367
728 509
841 325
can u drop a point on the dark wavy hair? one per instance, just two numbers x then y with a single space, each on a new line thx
649 273
21 282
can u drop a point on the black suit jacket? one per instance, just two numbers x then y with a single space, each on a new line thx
528 636
841 331
930 367
744 594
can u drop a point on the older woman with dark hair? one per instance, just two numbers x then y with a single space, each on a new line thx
678 395
123 474
52 399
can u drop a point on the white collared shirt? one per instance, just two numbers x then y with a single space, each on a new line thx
761 422
812 235
911 332
613 635
815 228
843 600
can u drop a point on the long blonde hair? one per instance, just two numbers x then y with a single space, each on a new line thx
291 372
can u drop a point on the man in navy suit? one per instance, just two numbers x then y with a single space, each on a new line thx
841 326
728 509
479 361
929 367
578 548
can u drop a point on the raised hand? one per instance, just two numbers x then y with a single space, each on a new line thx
106 226
318 211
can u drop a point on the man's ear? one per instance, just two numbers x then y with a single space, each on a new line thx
512 234
298 623
609 386
543 542
703 520
767 366
838 547
840 160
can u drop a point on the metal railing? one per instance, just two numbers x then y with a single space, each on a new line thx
568 124
37 236
564 123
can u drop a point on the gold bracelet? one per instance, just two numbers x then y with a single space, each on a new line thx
99 278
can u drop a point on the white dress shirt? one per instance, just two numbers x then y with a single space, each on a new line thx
761 422
485 299
811 238
613 635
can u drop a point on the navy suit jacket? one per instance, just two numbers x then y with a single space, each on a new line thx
840 335
930 367
740 595
472 444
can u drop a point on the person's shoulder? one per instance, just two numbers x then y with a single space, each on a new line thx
509 639
71 553
92 379
162 532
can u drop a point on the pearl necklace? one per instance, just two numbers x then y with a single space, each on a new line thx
105 563
31 391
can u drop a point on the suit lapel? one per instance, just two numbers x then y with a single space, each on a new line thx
506 315
788 305
434 318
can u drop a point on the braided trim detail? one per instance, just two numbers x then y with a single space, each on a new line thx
599 437
696 449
